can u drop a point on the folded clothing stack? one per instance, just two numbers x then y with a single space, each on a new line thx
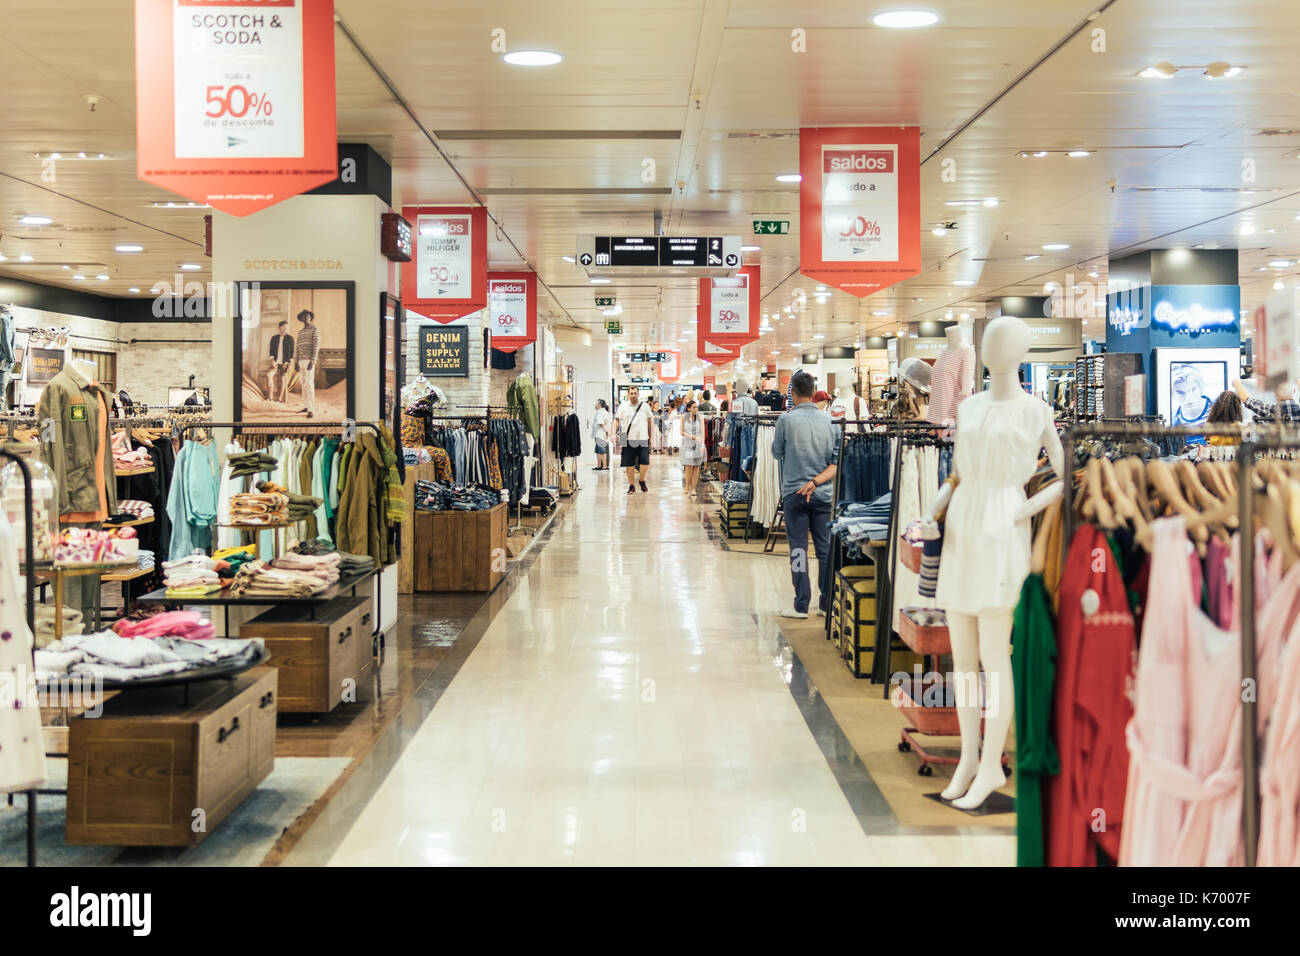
301 507
92 546
323 566
191 625
860 522
443 496
131 510
247 508
259 579
349 564
737 491
126 458
144 560
109 656
251 463
193 575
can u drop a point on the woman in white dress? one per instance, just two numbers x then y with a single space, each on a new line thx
692 432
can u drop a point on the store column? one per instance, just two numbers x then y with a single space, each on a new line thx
1179 311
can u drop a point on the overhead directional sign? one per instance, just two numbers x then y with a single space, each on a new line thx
771 227
614 328
605 301
683 255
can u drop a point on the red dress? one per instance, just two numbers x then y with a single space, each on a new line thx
1096 649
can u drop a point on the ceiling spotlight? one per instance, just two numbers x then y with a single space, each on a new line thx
128 247
1280 264
1093 275
819 336
1219 70
599 281
905 19
880 313
795 344
1078 153
1032 258
79 278
964 282
750 248
25 258
133 290
939 231
965 315
1161 71
789 178
532 58
948 314
1036 154
568 258
1056 246
102 277
190 267
35 220
1279 285
5 258
1247 229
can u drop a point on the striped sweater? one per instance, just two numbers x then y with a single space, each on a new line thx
308 346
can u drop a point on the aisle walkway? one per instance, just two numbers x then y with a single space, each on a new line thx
629 705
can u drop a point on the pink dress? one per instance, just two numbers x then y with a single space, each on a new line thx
1185 781
1279 824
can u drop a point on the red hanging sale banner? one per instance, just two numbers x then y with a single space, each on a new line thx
728 308
235 99
860 206
715 353
671 370
446 278
512 309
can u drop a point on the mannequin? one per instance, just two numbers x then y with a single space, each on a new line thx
952 380
913 390
986 550
849 405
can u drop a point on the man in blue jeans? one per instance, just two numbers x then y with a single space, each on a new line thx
805 446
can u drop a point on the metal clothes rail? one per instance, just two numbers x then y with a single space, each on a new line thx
1255 439
29 571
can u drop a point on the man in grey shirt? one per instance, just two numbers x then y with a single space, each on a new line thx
707 405
805 445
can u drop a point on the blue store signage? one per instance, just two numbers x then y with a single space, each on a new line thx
1196 312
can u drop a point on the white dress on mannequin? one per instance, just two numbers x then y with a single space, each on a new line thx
985 551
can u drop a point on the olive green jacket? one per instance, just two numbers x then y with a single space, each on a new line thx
71 427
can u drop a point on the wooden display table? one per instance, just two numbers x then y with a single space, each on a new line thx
138 773
460 550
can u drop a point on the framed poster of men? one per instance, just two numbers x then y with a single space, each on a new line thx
393 348
294 343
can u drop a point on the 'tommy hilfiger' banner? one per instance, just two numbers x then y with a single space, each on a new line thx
512 309
235 99
860 206
728 308
715 353
446 278
671 370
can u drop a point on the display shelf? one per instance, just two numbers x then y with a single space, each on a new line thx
341 586
131 472
129 524
129 575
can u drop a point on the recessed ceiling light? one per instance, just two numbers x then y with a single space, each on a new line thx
133 290
1032 258
1279 285
1222 71
1093 275
190 267
5 258
964 282
939 231
79 278
1056 246
795 344
750 248
880 313
128 247
65 266
1247 229
990 202
1078 153
1161 71
1280 263
35 220
819 336
568 258
789 178
25 258
948 314
102 277
532 58
599 281
1261 268
965 315
905 19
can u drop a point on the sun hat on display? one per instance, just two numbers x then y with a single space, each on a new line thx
916 373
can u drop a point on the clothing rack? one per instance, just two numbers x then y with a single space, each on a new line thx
910 434
763 420
1254 440
29 572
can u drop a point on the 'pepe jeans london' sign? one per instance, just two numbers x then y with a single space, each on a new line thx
444 351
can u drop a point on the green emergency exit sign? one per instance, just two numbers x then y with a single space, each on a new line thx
771 227
605 301
614 328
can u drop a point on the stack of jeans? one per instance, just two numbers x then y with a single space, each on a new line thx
737 491
857 523
441 496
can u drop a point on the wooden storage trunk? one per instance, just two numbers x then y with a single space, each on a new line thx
460 550
138 772
320 657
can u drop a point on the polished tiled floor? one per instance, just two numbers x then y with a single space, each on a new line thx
628 703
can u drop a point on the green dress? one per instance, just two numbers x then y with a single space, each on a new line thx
1033 664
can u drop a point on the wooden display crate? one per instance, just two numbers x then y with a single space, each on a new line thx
319 658
460 550
138 773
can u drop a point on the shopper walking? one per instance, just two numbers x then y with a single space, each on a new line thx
600 434
706 405
805 444
635 420
692 447
277 379
308 352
